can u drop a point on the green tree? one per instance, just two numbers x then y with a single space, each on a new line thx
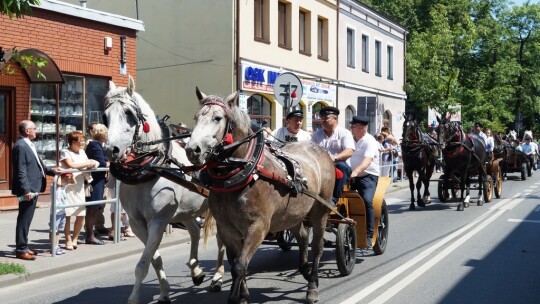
18 8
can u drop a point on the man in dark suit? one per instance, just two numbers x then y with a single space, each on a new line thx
28 179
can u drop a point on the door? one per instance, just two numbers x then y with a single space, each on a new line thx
5 140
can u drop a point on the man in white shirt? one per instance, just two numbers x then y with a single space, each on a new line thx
339 144
292 132
365 168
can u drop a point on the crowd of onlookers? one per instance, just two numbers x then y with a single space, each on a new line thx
72 189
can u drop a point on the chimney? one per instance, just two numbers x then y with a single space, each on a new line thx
83 3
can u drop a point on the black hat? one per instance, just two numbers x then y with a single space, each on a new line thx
364 120
478 124
328 111
296 113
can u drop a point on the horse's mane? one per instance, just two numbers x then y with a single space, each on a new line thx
120 95
241 119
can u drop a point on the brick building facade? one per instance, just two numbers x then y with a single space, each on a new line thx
73 40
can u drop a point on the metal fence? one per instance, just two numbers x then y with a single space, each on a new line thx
54 208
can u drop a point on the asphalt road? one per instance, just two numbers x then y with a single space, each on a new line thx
485 254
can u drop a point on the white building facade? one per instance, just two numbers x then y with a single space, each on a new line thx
371 68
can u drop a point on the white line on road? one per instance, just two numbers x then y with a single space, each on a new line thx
495 211
523 221
533 186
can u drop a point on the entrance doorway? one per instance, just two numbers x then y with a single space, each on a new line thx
5 139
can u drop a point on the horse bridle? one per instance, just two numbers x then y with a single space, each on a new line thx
406 140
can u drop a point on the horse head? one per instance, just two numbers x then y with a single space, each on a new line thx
448 132
411 130
218 122
512 135
527 135
130 121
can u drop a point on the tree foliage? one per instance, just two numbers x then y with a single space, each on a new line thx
482 54
18 8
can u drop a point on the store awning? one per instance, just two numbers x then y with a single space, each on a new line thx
50 70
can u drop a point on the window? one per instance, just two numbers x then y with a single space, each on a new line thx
261 20
284 25
322 38
365 53
350 48
304 35
390 63
349 113
378 58
260 109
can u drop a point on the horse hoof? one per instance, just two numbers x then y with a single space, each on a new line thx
215 286
421 204
412 207
460 208
166 301
312 296
480 203
466 205
198 280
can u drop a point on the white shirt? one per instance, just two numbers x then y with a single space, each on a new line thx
334 144
367 146
490 144
33 147
283 134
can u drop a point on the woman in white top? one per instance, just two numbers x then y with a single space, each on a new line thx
74 157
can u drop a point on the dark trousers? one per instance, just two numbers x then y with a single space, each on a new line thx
366 186
24 219
338 187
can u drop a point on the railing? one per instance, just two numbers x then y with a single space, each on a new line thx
55 208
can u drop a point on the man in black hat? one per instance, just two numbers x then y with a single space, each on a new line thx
292 132
339 144
365 169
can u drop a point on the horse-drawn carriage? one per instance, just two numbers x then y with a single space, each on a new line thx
466 161
514 159
347 228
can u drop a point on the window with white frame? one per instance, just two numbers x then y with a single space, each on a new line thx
350 48
365 53
390 62
322 38
261 20
378 53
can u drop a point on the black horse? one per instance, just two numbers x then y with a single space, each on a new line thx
419 152
463 156
502 150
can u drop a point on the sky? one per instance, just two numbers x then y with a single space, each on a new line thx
520 2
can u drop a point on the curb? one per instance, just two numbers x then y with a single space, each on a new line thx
12 279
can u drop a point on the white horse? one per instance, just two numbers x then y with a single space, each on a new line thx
150 201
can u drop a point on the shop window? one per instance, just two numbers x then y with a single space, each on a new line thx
259 109
80 102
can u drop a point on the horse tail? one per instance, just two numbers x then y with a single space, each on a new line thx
207 226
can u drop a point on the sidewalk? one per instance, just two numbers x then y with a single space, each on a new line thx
85 255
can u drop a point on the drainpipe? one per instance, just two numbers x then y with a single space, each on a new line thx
237 46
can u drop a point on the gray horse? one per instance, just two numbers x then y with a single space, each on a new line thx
150 201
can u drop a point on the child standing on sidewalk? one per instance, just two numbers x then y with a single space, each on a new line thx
61 197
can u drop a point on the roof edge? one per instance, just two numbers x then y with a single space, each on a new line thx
90 14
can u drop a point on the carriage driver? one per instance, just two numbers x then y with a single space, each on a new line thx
339 144
292 132
365 168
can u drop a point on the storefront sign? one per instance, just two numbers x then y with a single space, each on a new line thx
260 78
432 115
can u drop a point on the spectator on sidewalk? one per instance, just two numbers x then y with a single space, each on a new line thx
61 201
74 157
95 151
110 193
28 175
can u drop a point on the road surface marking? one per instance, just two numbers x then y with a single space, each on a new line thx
494 212
522 221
